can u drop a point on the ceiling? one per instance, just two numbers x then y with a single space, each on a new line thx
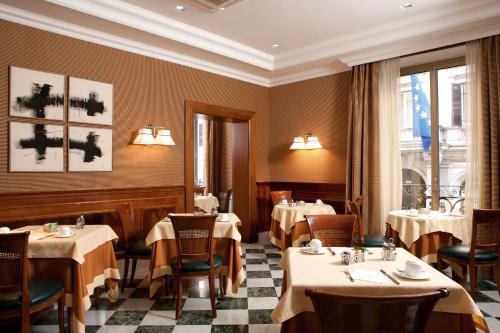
316 37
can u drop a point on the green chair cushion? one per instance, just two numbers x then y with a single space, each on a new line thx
139 249
196 266
373 241
462 252
40 291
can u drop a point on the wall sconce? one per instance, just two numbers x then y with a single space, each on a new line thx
150 135
308 142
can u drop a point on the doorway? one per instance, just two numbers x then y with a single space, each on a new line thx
243 160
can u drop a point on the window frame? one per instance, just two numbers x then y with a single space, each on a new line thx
433 68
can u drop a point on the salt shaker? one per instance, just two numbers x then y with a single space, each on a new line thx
80 222
389 250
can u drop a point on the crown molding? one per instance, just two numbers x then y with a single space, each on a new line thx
138 18
304 75
33 20
393 32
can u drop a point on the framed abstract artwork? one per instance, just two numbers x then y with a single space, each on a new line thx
90 102
90 149
36 147
35 94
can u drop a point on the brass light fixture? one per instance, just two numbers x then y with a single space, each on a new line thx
307 143
151 135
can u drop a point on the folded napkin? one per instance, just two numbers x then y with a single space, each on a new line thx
368 276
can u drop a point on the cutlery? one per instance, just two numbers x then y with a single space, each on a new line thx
46 236
346 272
331 251
390 277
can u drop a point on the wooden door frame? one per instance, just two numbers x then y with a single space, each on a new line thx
249 225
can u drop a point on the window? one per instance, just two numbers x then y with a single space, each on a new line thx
432 136
200 150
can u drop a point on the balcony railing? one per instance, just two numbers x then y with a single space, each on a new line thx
452 198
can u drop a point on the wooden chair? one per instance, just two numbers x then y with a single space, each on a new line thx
360 238
135 249
19 297
484 249
332 230
229 194
195 257
404 313
277 196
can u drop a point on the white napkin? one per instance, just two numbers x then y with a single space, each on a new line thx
368 276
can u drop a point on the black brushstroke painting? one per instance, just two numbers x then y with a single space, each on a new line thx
91 104
40 142
39 99
90 147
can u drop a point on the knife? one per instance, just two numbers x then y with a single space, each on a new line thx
349 276
390 277
46 236
331 251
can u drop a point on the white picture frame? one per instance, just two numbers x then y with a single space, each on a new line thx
90 102
90 149
36 94
36 147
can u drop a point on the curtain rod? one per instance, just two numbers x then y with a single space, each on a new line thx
433 50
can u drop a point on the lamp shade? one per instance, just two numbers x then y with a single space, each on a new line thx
298 143
145 137
164 138
312 142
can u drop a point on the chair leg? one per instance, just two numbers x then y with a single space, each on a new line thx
132 275
125 273
69 314
211 283
221 285
473 281
97 293
25 324
178 303
440 263
496 276
60 313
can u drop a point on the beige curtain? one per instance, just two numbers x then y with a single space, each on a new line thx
474 127
490 105
391 183
363 153
213 157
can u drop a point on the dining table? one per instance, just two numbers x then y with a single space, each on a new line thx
83 261
206 202
226 243
424 234
326 272
289 226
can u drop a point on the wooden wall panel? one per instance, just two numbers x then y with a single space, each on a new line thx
146 91
332 194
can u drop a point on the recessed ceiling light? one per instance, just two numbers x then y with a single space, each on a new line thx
275 45
180 8
406 5
222 8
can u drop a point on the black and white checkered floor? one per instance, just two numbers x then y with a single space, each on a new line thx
248 311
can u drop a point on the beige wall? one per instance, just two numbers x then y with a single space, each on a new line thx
319 106
146 91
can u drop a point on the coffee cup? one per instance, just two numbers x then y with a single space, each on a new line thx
4 230
315 245
210 194
413 268
284 201
64 231
223 217
413 212
319 201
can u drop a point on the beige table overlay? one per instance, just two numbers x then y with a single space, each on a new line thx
83 262
205 202
227 240
326 273
288 225
439 230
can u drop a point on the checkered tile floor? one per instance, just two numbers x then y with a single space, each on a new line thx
248 311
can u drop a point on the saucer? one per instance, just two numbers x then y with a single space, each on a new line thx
64 236
422 276
308 250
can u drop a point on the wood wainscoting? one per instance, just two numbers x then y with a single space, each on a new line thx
332 194
98 206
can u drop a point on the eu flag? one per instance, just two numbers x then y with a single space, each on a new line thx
421 113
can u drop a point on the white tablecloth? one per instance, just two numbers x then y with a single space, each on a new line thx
411 228
206 203
288 216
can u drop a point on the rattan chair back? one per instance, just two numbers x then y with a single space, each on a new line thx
332 230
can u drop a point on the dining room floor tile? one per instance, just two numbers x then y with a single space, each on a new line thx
248 311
